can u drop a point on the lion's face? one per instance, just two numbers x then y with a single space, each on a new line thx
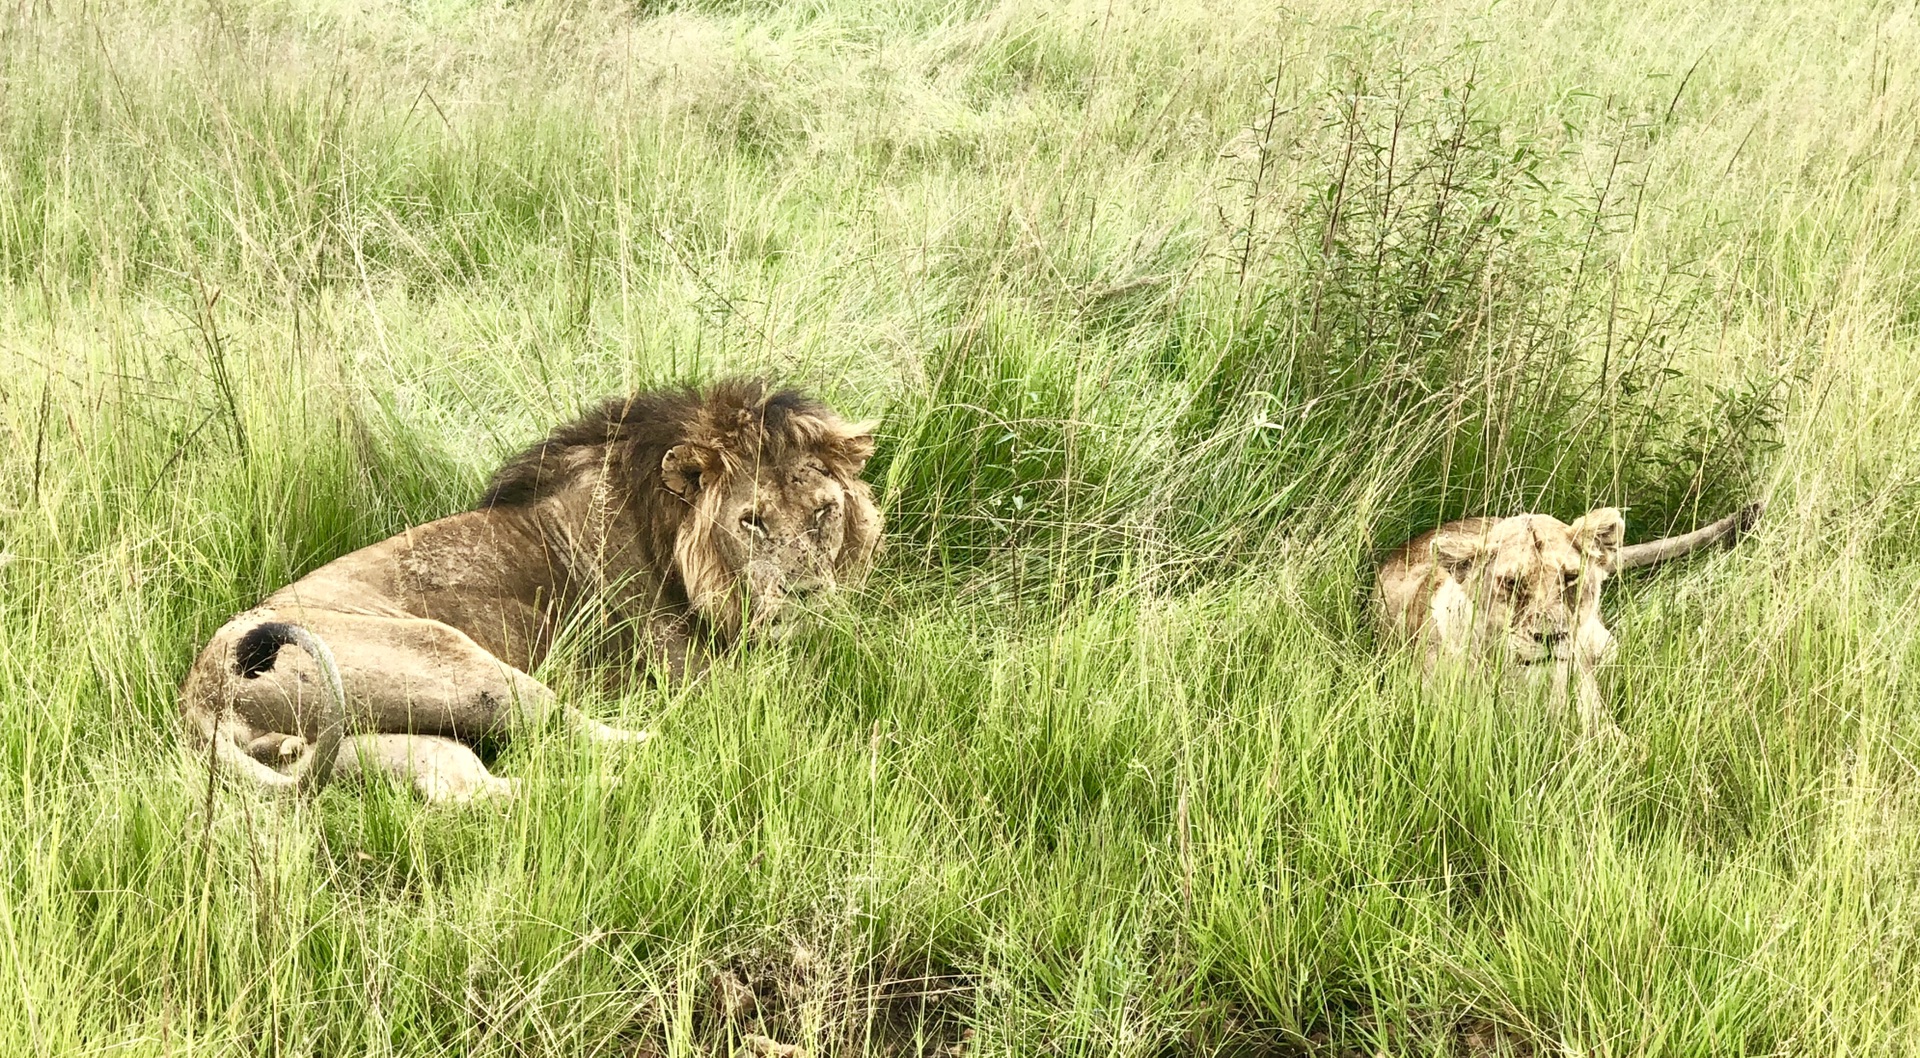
774 519
1534 583
782 532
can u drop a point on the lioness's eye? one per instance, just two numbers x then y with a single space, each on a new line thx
752 524
820 513
1572 579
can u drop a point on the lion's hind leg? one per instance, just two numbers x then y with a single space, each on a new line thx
441 770
423 675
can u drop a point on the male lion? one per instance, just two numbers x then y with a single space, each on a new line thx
683 517
1526 589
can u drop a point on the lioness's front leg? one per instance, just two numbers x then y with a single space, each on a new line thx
1593 647
1594 720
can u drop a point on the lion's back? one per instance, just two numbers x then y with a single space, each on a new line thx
478 571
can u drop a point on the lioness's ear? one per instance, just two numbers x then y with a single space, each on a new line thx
1458 554
680 470
1599 533
854 446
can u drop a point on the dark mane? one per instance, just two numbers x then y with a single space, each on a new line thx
744 416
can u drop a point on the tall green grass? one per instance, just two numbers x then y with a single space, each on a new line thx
1175 315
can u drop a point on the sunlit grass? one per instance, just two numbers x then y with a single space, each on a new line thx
1175 315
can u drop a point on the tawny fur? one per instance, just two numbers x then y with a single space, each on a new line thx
672 521
1524 591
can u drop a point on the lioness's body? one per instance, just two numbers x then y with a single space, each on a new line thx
626 519
1523 590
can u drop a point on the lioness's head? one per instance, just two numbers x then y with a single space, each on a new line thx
1534 581
771 505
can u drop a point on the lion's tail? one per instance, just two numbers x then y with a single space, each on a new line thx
1729 529
254 653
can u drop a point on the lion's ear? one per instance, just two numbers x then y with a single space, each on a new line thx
681 468
1458 554
1599 533
854 446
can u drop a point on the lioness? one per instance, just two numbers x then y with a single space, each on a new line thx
686 517
1526 587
